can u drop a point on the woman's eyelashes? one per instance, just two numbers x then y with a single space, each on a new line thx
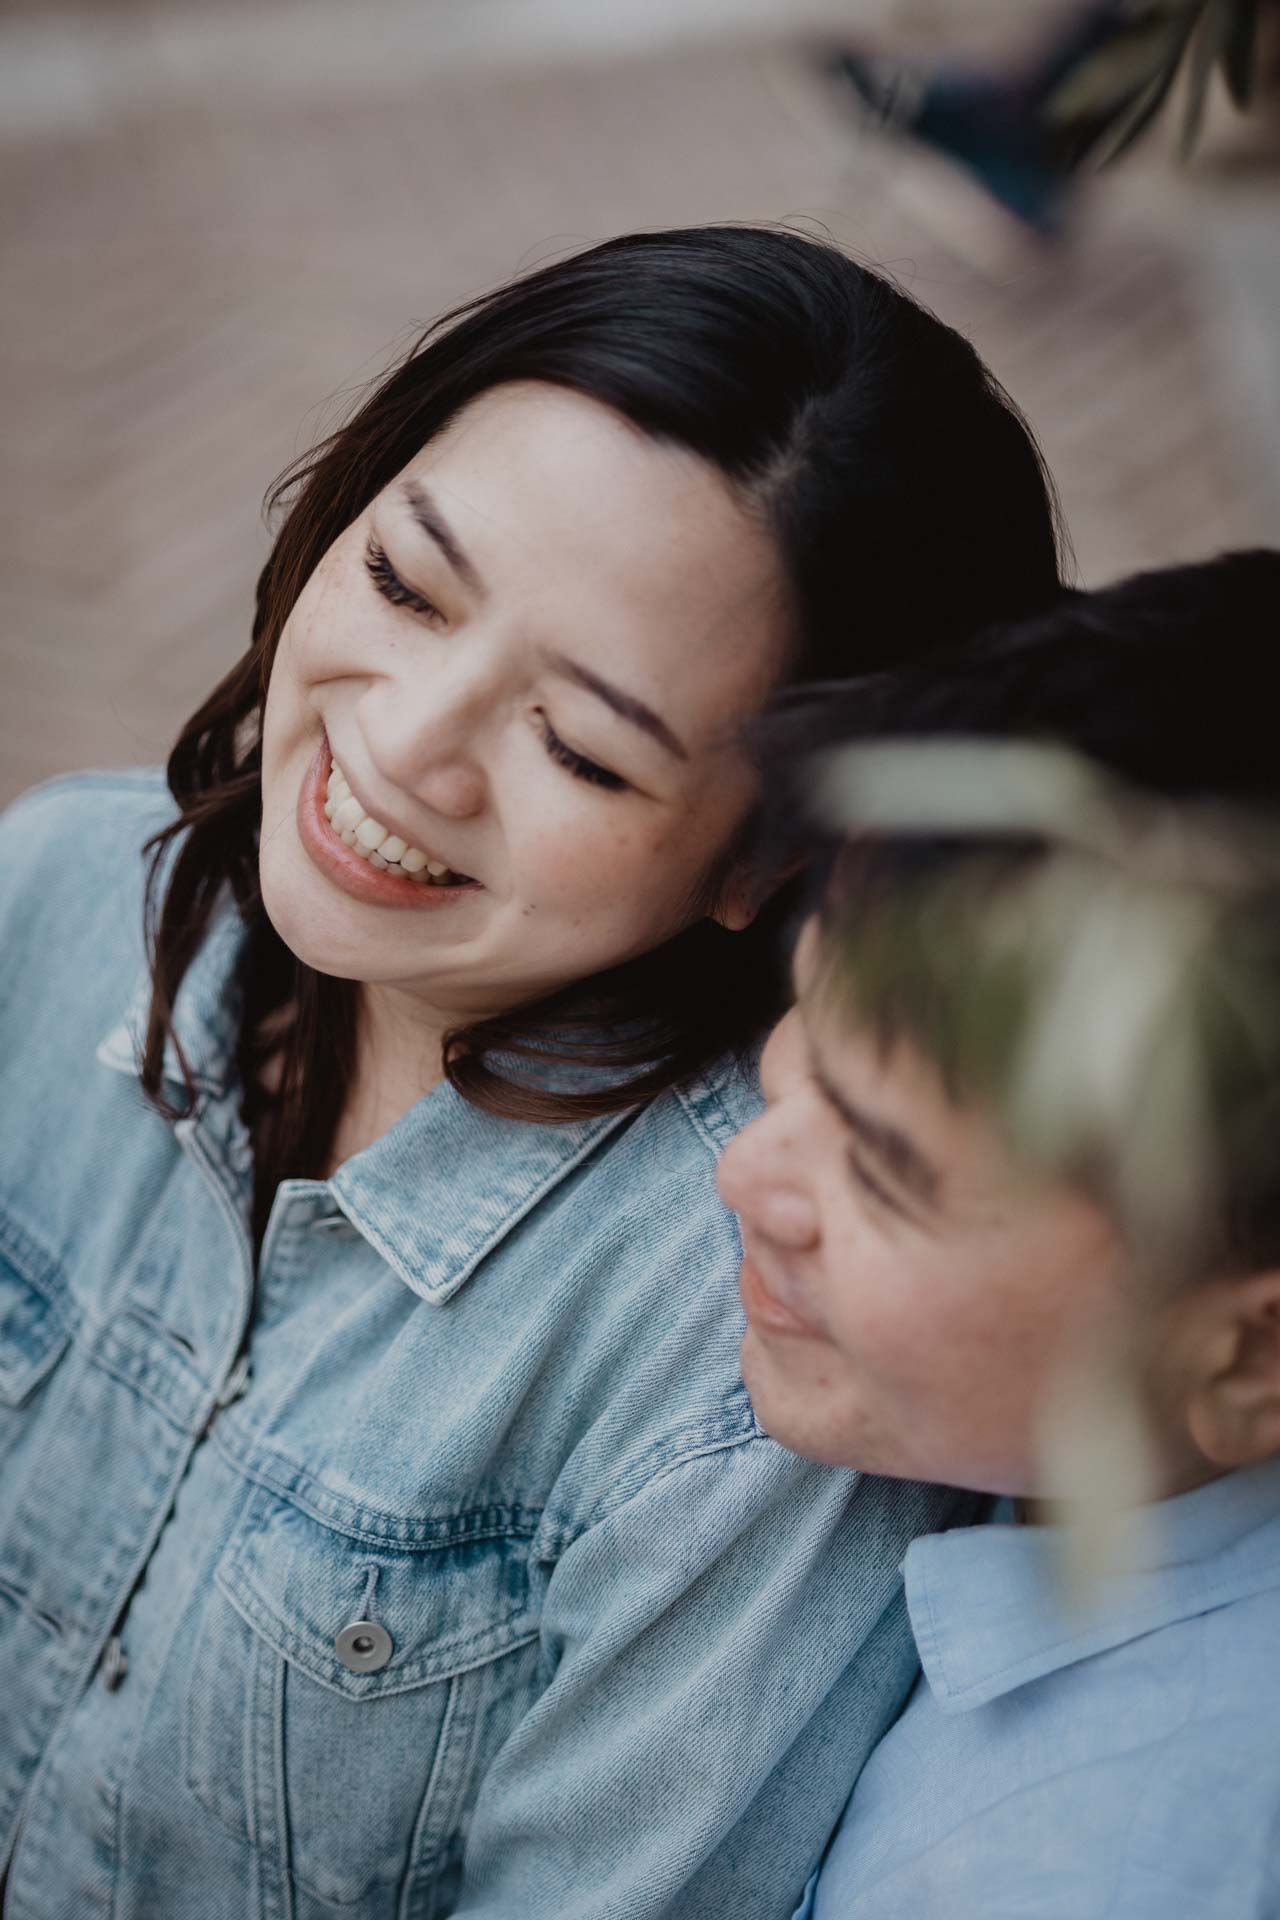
393 588
577 763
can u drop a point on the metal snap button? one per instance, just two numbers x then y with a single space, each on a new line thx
114 1663
364 1646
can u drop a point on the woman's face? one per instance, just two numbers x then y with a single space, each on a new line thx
529 659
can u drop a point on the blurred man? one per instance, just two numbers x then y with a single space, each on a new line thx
924 1264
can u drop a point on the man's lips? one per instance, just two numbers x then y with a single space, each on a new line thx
765 1310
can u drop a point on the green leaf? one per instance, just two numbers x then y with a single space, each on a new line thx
1206 46
1239 50
1128 127
1125 67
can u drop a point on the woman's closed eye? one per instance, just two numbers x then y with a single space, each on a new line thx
393 588
577 763
400 594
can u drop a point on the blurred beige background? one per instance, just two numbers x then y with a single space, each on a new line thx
218 222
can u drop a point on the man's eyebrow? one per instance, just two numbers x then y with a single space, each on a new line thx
436 527
897 1153
625 705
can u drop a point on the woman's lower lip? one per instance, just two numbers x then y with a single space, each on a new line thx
764 1311
347 869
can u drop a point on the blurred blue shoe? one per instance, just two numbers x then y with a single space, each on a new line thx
978 122
1002 127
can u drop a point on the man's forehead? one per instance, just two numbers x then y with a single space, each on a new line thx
885 1084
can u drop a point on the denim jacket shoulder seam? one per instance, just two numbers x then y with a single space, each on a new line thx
716 1138
555 1539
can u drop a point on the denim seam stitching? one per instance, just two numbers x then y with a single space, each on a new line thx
714 1139
623 1492
513 1212
405 1535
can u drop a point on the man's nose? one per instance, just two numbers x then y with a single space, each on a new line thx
757 1180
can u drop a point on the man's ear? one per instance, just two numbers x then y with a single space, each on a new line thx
1234 1408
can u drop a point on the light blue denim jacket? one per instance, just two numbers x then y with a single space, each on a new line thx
618 1654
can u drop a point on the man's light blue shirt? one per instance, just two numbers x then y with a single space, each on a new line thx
1055 1765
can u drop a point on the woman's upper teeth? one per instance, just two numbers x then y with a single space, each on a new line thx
379 846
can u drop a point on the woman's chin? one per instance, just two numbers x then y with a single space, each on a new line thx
303 913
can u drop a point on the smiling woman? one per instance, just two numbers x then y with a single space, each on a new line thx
532 657
385 1528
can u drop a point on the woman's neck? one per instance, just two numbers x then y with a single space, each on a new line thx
399 1058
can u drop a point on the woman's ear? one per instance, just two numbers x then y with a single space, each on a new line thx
740 901
746 891
1234 1407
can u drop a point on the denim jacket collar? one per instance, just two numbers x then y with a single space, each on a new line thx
206 1012
987 1607
433 1231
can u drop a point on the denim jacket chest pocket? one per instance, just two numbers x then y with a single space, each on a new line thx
35 1330
343 1689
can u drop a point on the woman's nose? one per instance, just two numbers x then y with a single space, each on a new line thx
453 789
430 745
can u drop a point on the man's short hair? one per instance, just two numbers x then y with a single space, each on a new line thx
1164 682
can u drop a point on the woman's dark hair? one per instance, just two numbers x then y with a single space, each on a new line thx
910 506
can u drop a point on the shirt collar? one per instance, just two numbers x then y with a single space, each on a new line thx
433 1231
987 1604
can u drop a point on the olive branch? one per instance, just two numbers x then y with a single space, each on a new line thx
1107 102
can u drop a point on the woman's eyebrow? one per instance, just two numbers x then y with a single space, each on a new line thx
436 527
625 705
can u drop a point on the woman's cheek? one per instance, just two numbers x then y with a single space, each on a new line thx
334 628
577 863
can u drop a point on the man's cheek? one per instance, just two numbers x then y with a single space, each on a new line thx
877 1345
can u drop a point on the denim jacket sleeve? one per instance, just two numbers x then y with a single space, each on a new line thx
702 1729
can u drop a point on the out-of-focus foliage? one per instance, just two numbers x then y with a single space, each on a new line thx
1109 100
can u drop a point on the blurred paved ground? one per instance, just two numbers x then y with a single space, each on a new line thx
194 288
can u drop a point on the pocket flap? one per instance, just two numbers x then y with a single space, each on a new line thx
447 1607
34 1327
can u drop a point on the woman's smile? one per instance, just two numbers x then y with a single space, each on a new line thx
344 842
